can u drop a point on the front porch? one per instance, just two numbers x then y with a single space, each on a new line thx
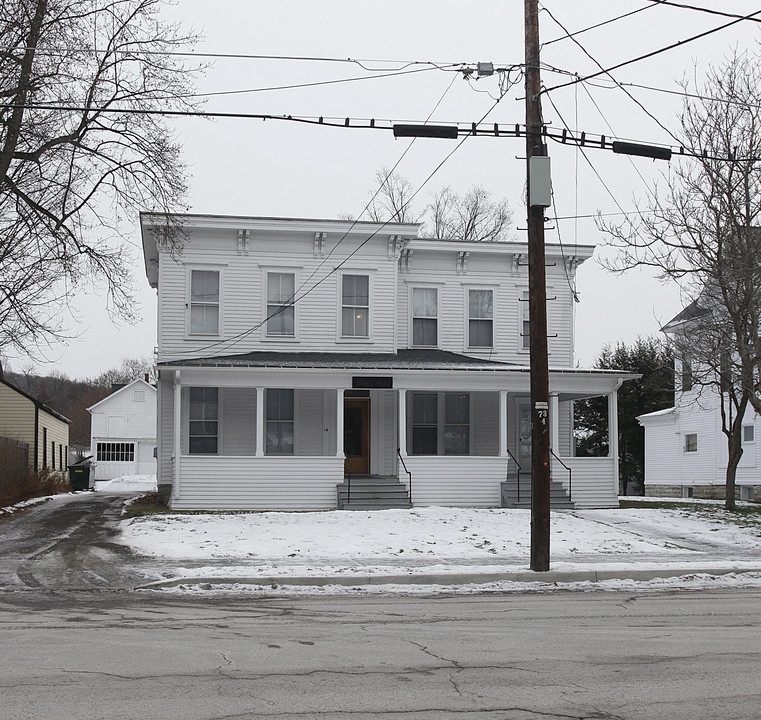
285 439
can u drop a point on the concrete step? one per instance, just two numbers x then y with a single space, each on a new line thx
372 492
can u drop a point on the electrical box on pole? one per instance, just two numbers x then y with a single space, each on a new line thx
539 182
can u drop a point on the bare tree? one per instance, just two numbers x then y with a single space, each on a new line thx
472 217
703 231
82 145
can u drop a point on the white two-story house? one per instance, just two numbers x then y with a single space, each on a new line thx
296 356
686 451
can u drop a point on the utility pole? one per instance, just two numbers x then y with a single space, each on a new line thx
540 384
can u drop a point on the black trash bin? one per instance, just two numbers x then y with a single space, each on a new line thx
81 476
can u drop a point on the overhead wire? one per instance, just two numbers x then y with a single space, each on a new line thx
710 11
652 53
594 27
229 343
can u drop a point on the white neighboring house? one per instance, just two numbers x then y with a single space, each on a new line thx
685 448
400 371
123 432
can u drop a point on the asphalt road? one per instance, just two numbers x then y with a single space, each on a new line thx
76 642
106 654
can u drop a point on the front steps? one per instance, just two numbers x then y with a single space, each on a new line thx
559 499
373 492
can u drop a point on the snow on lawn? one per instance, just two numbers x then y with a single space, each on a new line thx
425 536
128 483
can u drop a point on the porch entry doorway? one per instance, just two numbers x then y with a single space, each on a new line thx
357 435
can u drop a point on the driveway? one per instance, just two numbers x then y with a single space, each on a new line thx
67 542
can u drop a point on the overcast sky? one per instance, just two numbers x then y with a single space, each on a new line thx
251 167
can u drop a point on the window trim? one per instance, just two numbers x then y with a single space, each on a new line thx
287 270
410 304
340 337
686 447
480 348
752 428
523 290
198 267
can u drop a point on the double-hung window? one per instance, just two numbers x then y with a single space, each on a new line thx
481 318
279 421
425 317
355 305
440 420
281 288
691 443
203 434
204 302
425 416
456 423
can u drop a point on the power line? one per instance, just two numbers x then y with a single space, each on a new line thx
703 9
651 54
593 27
629 95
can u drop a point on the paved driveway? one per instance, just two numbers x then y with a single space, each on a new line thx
67 542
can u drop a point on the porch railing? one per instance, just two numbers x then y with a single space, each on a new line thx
518 476
409 474
570 474
347 474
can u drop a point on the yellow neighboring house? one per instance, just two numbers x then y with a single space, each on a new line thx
34 426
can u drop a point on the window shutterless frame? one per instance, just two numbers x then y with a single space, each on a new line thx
479 318
424 316
280 312
355 306
204 301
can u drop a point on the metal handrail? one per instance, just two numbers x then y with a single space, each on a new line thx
507 472
404 465
570 473
348 479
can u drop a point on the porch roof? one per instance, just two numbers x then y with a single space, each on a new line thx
418 359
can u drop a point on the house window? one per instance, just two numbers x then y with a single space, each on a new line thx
52 454
480 318
203 435
138 395
60 456
355 305
691 443
456 423
425 332
425 417
281 288
115 452
204 302
44 447
749 434
525 321
279 422
687 379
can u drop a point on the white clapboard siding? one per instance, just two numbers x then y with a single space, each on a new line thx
594 482
455 481
258 483
242 296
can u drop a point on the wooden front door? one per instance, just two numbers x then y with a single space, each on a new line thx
357 435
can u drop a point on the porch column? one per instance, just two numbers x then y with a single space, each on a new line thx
339 422
554 424
177 399
503 423
260 422
402 422
613 431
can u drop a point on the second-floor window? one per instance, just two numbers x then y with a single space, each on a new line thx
355 306
204 302
280 309
691 443
481 318
425 317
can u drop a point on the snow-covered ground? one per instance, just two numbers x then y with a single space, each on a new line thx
435 541
128 484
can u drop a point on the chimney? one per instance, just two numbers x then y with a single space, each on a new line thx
146 377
